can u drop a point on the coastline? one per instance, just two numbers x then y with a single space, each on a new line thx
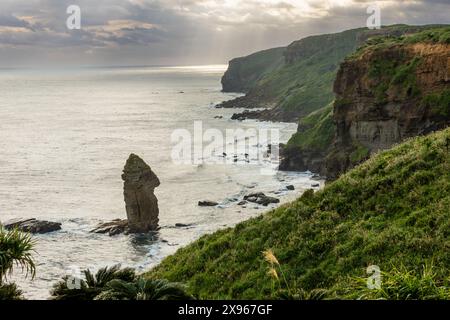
286 196
59 252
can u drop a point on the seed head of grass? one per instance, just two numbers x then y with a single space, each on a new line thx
270 257
273 273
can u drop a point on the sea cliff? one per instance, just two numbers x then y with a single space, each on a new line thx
386 94
290 83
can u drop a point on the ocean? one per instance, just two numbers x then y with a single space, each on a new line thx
65 136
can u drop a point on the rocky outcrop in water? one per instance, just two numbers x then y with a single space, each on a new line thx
261 198
32 225
140 201
112 228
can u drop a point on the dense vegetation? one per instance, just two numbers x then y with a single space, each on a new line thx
16 250
306 84
115 283
431 34
399 75
391 211
315 131
438 102
112 283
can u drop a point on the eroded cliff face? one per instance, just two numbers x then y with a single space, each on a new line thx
385 95
243 73
234 80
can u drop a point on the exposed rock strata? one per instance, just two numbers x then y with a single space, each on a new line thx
385 96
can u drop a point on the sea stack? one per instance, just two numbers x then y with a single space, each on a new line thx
140 201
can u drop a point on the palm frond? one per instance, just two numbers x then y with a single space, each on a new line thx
160 289
93 284
16 249
143 289
119 290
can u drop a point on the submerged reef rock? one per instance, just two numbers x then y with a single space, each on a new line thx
207 203
261 198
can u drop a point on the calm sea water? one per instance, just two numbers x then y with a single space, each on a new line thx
65 137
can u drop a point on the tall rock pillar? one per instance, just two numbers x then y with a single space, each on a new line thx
140 201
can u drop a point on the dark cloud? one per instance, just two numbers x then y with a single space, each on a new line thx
12 21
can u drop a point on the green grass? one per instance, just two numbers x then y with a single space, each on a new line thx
396 75
400 283
393 210
359 154
306 85
438 34
439 103
317 131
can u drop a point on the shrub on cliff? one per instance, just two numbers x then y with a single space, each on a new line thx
420 283
316 131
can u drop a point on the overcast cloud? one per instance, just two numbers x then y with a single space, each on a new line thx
182 32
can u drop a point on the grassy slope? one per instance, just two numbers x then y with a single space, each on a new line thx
306 85
431 34
393 210
317 130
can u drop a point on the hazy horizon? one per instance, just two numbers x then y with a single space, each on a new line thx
222 67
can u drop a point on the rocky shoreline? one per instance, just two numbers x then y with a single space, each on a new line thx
142 205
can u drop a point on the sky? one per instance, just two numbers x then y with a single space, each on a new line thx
33 33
